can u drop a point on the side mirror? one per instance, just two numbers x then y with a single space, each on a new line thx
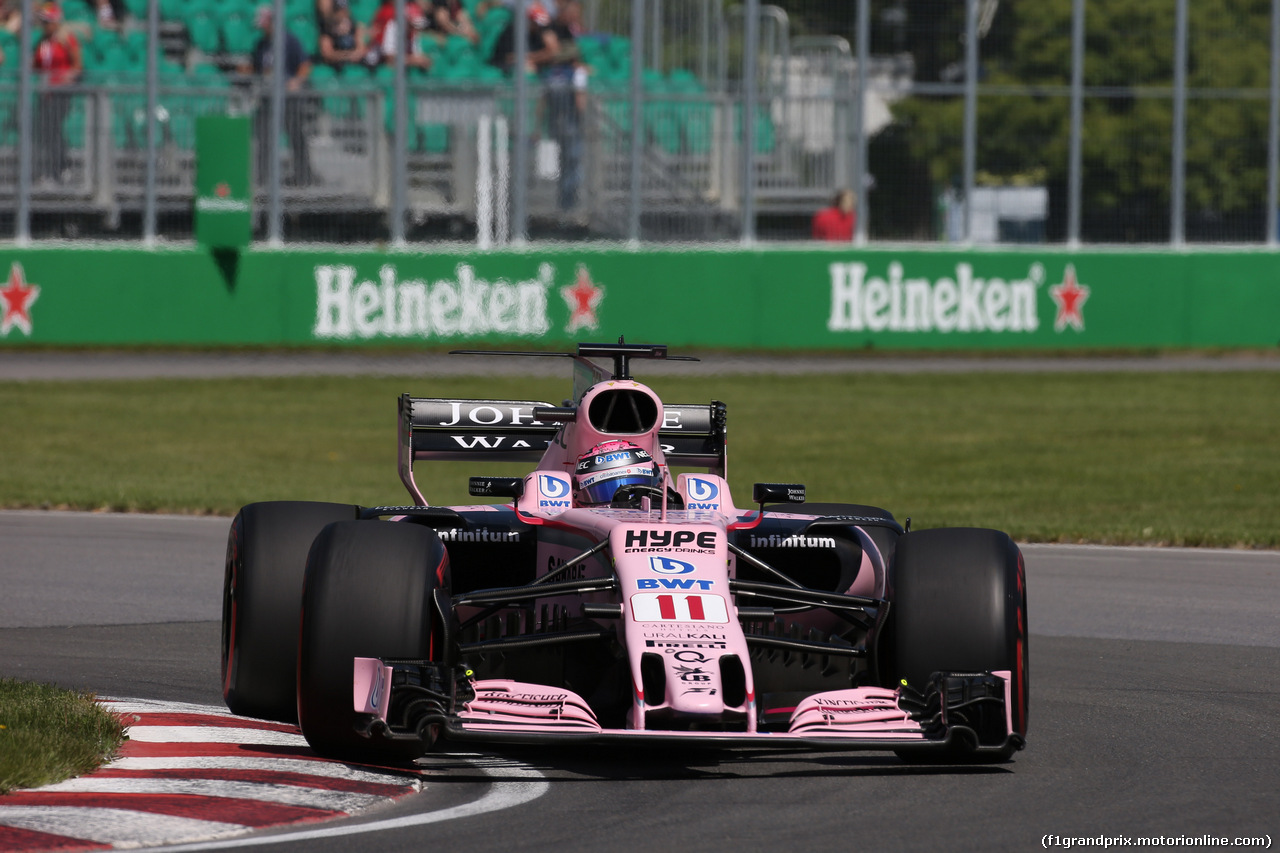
496 487
777 493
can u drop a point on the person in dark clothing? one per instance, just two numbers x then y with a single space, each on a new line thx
566 82
297 67
343 40
543 45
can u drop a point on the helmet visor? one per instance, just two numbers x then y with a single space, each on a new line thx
603 491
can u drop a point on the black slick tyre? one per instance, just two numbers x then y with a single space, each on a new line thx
368 593
960 605
262 591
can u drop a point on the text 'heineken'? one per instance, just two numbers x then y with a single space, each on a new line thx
962 304
390 308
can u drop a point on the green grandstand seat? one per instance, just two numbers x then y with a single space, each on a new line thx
182 129
239 34
355 74
765 138
171 73
653 81
619 48
135 42
340 106
197 8
592 50
299 8
684 81
435 138
203 29
78 13
617 128
412 133
489 75
244 8
663 127
173 10
73 124
136 8
495 20
455 47
128 111
697 128
304 27
116 58
103 39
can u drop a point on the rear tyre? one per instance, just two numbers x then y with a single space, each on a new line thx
262 591
368 593
960 605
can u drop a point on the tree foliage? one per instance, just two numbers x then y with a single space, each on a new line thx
1023 115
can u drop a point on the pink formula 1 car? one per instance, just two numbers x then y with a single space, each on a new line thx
613 600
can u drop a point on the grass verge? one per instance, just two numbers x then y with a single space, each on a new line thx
48 734
1178 458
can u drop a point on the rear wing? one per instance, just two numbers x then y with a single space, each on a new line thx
442 428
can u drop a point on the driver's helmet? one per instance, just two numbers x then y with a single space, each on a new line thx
610 465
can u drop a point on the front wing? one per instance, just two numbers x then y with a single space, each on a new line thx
413 700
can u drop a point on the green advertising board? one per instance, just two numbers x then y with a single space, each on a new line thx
224 191
790 298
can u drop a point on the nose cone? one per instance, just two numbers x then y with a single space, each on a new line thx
694 687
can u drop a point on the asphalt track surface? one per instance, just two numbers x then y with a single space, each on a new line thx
1155 710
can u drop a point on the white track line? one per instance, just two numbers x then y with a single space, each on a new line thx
505 794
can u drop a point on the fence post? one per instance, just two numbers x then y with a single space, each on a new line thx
750 48
520 172
275 223
153 98
862 203
1075 156
970 111
484 182
1177 218
22 227
399 165
637 119
1273 133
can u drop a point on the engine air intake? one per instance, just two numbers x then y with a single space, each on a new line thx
623 412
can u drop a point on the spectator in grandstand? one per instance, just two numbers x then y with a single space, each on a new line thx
342 39
383 39
543 44
566 86
836 223
58 63
298 68
483 7
110 13
450 18
11 16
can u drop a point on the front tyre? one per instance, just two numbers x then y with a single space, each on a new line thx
368 593
960 605
261 593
